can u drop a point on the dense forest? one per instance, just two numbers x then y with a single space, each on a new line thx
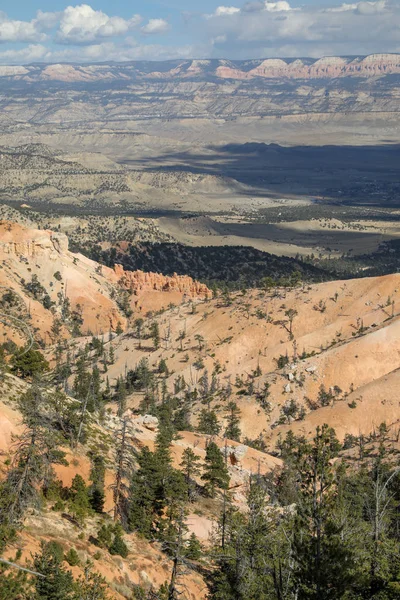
238 267
232 266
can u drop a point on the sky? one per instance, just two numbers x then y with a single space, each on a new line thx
56 31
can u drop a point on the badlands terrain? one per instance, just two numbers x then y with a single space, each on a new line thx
290 358
344 333
199 316
288 156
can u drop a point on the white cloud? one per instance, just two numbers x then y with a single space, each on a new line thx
363 8
31 53
273 28
46 20
22 31
155 26
251 7
79 24
82 24
371 8
110 51
226 10
258 28
86 31
342 8
279 6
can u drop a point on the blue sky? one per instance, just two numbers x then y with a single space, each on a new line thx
91 31
26 9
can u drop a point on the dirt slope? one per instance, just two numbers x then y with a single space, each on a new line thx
330 353
344 338
76 287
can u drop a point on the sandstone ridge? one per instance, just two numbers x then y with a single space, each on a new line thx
325 67
39 242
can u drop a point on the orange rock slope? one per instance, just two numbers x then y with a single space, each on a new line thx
90 289
345 336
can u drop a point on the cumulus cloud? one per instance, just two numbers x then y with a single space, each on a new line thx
90 35
258 28
155 26
23 31
82 25
267 5
253 6
371 8
79 24
31 53
279 6
46 20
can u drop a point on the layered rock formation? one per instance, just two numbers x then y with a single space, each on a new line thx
20 242
326 67
84 96
138 282
40 258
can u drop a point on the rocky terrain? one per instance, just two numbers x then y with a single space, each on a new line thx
327 67
131 93
55 285
343 340
290 358
334 323
240 140
182 346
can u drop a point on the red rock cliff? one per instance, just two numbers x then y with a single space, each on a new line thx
139 281
327 67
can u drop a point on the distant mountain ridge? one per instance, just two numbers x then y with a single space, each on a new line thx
270 68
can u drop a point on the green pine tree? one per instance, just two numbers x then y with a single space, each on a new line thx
155 334
232 430
190 468
215 474
193 549
118 545
155 486
208 423
79 502
29 363
324 566
97 477
57 583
